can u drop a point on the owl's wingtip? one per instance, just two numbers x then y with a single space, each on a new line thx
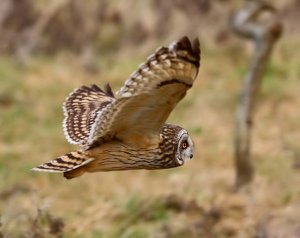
192 47
38 169
196 45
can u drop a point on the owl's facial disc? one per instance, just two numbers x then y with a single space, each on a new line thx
185 149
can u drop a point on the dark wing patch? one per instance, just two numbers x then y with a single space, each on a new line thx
81 109
172 81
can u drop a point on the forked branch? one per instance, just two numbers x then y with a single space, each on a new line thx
246 24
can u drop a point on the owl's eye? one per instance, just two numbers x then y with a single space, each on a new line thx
184 145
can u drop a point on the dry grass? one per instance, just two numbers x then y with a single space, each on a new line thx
196 200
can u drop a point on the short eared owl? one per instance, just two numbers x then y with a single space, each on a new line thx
129 131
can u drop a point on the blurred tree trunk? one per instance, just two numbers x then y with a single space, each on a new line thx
31 37
264 34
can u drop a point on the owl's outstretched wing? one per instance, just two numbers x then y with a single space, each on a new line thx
149 95
81 108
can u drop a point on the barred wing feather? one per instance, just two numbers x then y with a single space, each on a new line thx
81 109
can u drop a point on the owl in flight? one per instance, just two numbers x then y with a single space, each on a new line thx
128 131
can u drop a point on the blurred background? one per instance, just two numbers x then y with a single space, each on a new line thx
48 48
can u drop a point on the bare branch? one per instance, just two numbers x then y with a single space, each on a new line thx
245 23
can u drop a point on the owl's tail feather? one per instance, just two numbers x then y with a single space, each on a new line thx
70 164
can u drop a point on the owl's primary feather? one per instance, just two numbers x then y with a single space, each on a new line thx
129 131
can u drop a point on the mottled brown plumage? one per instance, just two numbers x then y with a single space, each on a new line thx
128 131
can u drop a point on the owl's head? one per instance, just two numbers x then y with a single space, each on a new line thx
176 147
185 147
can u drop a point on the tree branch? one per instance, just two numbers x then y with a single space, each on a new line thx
246 24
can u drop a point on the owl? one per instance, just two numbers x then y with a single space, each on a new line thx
128 131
